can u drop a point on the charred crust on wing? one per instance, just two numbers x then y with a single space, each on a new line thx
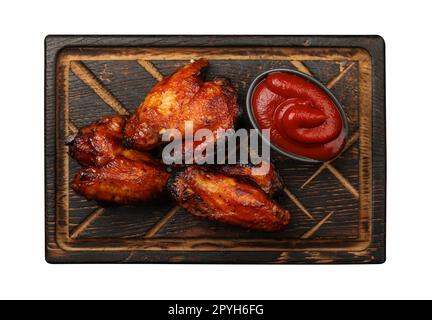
277 182
128 142
246 180
226 85
84 176
172 187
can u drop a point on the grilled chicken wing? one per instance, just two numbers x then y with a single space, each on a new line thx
181 97
215 196
113 173
99 142
125 179
270 182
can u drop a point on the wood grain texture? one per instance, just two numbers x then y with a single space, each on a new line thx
119 71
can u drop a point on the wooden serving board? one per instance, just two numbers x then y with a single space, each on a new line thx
338 207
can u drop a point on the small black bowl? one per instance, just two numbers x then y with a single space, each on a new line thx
252 119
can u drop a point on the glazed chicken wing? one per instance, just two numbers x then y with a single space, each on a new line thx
113 173
216 196
99 142
125 179
181 97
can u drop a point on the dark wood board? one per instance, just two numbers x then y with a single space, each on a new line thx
338 208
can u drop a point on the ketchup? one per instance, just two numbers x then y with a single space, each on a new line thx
302 118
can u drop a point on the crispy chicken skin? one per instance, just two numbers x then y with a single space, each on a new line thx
216 196
125 179
270 182
182 96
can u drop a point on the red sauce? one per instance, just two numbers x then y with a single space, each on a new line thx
301 117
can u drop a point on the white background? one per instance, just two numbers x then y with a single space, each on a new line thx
404 25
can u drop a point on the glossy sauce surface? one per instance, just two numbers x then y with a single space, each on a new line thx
302 118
